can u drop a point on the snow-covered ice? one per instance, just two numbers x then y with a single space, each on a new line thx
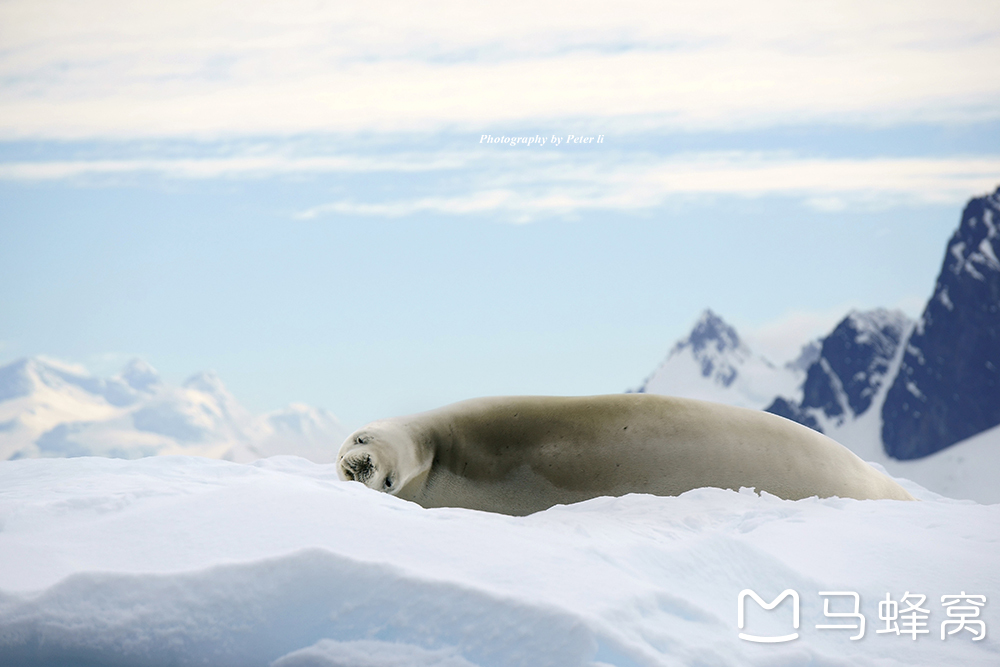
185 560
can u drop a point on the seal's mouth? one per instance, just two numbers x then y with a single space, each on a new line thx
358 468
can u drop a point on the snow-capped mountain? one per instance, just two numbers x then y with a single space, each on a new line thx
948 385
303 430
713 364
852 365
890 389
841 392
49 408
833 379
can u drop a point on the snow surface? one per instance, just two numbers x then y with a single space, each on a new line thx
184 560
969 469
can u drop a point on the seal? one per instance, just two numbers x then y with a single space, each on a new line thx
522 454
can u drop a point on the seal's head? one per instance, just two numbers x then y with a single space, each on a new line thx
382 456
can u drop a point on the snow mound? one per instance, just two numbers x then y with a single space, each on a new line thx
329 653
183 560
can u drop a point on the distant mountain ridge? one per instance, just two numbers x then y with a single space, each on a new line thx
918 387
713 363
49 408
852 365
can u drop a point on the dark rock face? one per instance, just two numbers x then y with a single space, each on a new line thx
822 390
948 386
791 410
857 355
852 365
712 331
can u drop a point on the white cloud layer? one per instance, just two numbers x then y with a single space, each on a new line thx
524 186
216 167
115 68
554 189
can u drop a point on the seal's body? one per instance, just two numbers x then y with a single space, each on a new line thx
521 454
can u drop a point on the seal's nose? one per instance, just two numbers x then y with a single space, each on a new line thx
359 468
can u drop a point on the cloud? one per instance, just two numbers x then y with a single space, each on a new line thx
221 167
527 183
548 188
829 204
121 69
479 202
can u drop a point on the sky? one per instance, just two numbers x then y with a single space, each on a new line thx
321 201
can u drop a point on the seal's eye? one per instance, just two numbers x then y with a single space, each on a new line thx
387 484
361 439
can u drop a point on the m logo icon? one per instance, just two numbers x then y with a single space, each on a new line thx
769 640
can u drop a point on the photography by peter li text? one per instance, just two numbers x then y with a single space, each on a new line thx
912 618
539 140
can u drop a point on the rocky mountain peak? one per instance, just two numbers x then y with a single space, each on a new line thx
851 367
948 385
713 363
711 331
